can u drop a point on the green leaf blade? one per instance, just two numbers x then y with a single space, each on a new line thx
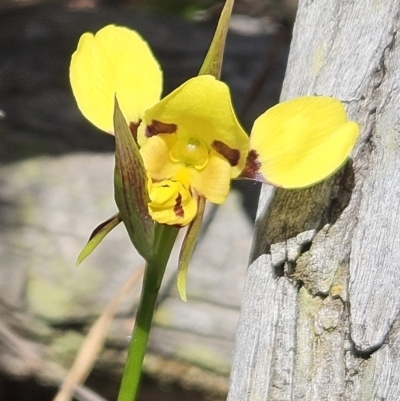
97 236
188 245
213 61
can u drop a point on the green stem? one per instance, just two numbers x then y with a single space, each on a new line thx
164 240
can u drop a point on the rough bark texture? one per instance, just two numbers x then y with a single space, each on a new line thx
320 315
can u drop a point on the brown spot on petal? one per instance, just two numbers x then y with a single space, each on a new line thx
133 127
158 127
252 167
178 209
232 155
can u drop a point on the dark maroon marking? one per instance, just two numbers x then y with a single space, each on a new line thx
252 167
158 127
178 209
232 155
133 127
102 225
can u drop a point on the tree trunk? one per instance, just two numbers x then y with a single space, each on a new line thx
320 314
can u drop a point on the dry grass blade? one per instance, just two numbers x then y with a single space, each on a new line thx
94 342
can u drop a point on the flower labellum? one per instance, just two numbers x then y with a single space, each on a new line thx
171 200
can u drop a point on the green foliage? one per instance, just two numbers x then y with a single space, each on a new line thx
97 236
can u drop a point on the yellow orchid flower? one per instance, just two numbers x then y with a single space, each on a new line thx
192 133
191 142
195 129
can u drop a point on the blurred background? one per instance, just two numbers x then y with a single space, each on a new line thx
56 186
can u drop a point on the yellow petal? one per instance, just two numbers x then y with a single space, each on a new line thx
117 61
201 108
172 203
213 181
156 159
302 141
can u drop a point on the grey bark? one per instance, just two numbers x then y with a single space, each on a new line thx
320 315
